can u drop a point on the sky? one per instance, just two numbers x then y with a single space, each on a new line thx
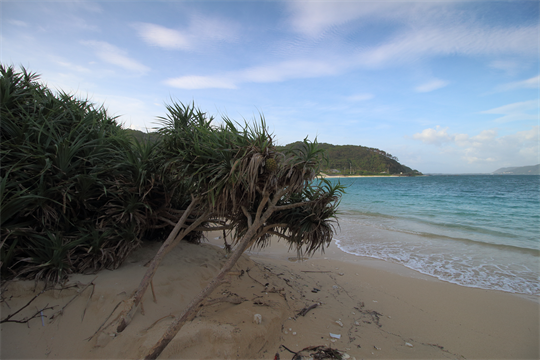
446 87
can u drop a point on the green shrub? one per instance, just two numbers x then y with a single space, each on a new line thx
77 193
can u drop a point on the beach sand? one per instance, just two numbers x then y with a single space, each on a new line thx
377 309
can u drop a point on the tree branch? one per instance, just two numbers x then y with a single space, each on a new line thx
248 216
292 206
262 204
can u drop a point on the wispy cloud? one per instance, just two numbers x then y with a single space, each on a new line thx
193 82
515 112
417 44
157 35
508 66
201 30
431 85
281 71
116 56
18 23
360 97
486 147
532 83
292 69
315 18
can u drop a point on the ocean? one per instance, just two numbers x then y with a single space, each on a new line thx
479 231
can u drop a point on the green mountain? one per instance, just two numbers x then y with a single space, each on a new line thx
142 136
521 170
360 160
343 159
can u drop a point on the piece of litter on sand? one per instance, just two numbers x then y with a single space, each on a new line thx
335 336
408 344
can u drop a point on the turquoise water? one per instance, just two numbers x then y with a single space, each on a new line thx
477 231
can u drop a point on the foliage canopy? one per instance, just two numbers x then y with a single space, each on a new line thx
78 192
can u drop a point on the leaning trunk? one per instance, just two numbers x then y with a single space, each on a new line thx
125 317
191 310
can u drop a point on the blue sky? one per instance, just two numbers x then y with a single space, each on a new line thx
447 87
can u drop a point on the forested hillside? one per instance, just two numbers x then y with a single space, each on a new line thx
360 160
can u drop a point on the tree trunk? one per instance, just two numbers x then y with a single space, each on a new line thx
191 310
126 316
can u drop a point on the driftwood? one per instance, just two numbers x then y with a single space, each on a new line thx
236 300
305 310
28 318
79 292
319 352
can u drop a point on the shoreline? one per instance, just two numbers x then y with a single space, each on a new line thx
367 308
278 250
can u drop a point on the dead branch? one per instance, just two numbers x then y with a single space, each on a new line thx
153 292
79 292
305 310
28 318
7 318
101 326
88 300
158 320
252 278
236 300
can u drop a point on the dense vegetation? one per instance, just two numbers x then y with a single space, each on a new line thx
342 159
77 193
359 160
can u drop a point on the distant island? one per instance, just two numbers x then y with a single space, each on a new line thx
521 170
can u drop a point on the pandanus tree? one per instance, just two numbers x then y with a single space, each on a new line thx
239 182
76 194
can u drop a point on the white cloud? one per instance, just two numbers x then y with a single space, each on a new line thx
200 82
18 23
116 56
487 147
431 85
360 97
282 71
314 18
423 42
508 66
532 83
160 36
200 31
516 111
293 69
437 136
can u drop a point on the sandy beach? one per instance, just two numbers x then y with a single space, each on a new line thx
366 308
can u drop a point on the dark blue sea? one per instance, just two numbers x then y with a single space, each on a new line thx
478 231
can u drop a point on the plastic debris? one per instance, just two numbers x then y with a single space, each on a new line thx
257 319
335 336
